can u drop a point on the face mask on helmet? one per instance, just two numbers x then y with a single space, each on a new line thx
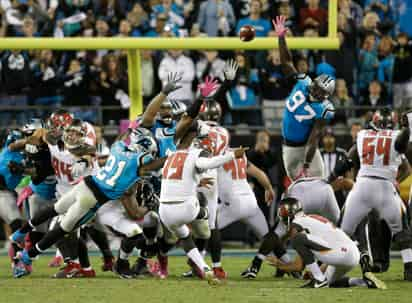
287 210
321 88
74 135
383 119
210 111
205 142
141 140
29 128
166 113
57 122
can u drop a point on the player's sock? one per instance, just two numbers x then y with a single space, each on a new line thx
69 247
316 272
257 261
216 264
197 258
164 247
200 244
48 240
406 255
100 238
215 245
83 254
35 236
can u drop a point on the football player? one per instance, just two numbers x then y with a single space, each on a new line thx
179 204
377 156
79 205
315 239
306 112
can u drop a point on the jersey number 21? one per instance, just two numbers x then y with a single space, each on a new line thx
297 100
111 172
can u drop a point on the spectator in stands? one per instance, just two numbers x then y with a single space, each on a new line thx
313 57
369 25
343 60
352 11
381 8
285 9
102 28
150 82
342 101
113 89
368 63
385 68
70 15
355 128
244 92
111 10
161 29
402 72
273 82
374 97
45 82
75 89
175 61
302 66
173 12
125 29
16 78
313 16
262 26
216 18
210 64
267 160
139 20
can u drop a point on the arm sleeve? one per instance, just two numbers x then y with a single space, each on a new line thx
213 162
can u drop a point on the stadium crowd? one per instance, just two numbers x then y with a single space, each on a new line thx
372 66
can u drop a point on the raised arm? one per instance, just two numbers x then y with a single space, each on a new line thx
204 162
154 106
286 58
313 142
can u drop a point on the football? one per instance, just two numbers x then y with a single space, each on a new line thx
247 33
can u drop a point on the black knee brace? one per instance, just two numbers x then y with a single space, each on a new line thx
128 244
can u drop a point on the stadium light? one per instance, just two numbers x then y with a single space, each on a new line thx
133 45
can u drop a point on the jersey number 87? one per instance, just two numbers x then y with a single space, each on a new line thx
111 172
297 100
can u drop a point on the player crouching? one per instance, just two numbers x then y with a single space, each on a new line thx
315 239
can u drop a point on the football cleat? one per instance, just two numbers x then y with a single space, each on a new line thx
188 274
19 270
365 263
220 273
85 273
68 271
140 267
18 237
373 282
210 277
316 284
108 263
250 273
24 257
56 261
195 269
122 269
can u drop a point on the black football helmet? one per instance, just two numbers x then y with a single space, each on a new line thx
287 210
210 111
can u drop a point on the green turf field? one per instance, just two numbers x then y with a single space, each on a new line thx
39 287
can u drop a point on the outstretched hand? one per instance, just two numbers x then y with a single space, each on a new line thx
208 87
172 83
230 69
279 25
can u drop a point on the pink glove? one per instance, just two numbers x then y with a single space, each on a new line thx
24 194
208 87
133 124
279 24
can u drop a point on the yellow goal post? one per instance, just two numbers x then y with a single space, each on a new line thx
133 45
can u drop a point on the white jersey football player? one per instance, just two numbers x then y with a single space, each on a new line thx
316 196
378 154
316 239
179 204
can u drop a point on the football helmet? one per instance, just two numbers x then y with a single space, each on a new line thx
322 88
74 134
210 111
166 112
141 140
287 210
30 127
384 119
